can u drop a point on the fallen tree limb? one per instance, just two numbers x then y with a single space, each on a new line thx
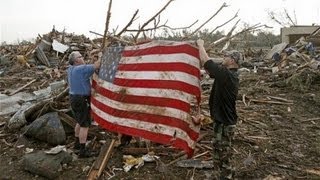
62 94
259 137
204 147
199 155
270 102
312 171
67 119
183 155
14 92
280 99
311 119
244 100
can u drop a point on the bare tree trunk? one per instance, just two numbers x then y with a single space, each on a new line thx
107 25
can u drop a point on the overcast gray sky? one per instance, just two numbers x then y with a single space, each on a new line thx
24 19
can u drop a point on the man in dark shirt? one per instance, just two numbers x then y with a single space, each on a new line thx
222 105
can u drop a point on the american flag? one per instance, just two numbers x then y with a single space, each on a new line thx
147 91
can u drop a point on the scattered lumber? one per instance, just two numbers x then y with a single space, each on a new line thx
102 160
21 88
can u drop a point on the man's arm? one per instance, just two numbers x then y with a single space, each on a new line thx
202 52
98 62
212 68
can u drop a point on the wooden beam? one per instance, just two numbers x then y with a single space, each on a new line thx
101 162
107 25
14 92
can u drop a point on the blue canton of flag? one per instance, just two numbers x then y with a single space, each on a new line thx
109 63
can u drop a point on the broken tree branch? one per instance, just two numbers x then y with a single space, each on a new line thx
149 29
311 119
270 102
244 100
236 15
280 99
182 27
226 38
114 38
199 155
107 25
273 17
289 18
233 28
151 19
62 94
221 7
129 24
67 119
14 92
163 26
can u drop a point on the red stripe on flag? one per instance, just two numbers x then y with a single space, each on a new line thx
182 67
151 118
185 48
156 137
161 84
147 100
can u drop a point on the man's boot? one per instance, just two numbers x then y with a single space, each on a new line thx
125 139
76 144
84 152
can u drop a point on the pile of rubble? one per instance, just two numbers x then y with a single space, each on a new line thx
297 64
50 50
31 67
33 93
33 87
39 69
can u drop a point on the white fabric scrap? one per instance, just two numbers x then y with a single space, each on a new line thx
56 150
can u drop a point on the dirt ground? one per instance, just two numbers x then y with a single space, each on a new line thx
277 137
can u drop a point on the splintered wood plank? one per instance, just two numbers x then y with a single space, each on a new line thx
101 162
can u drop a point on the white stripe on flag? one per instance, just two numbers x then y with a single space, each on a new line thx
162 58
150 92
156 43
148 109
156 75
151 127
